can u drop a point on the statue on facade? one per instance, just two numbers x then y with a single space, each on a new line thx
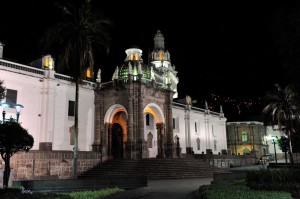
152 75
98 80
129 69
116 73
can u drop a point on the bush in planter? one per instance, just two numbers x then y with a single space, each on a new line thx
295 190
275 179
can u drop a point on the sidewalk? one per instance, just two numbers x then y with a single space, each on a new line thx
175 189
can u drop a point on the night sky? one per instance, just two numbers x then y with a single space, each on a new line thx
234 48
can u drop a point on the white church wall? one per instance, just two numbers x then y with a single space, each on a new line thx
197 132
178 115
45 112
27 95
218 140
151 128
215 131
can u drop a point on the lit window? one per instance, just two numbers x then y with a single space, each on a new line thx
244 136
47 62
160 56
89 73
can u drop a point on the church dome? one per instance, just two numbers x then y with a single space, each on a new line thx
134 65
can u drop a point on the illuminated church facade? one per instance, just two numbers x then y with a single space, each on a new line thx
133 116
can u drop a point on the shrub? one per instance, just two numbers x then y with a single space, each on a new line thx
238 192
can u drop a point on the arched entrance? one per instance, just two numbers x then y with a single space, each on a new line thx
117 141
154 130
115 131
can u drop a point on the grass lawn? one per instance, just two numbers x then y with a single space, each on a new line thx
98 194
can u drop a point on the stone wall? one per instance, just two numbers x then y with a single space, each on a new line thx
50 164
228 161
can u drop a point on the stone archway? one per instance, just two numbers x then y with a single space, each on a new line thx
154 123
115 131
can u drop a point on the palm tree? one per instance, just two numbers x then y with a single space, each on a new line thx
282 109
79 34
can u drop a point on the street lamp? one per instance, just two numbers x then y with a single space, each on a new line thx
18 108
5 106
273 141
253 148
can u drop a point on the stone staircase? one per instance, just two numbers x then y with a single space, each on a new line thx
153 168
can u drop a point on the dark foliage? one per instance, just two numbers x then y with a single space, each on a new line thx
2 90
13 138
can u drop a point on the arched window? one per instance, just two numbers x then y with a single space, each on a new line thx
244 136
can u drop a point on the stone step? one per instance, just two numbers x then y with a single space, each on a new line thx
153 168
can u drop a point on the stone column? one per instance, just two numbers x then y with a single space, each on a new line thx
96 147
170 146
160 141
189 148
142 144
129 143
105 141
109 130
207 135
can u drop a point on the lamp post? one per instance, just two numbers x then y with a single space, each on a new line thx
253 148
18 108
5 107
273 140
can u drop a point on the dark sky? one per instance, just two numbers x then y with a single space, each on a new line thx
225 47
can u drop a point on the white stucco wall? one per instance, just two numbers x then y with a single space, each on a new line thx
214 130
46 101
272 132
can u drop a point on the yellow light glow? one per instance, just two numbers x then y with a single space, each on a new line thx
149 110
136 56
160 56
88 73
47 62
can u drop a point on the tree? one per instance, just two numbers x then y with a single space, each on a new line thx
80 33
282 109
283 144
2 90
13 138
